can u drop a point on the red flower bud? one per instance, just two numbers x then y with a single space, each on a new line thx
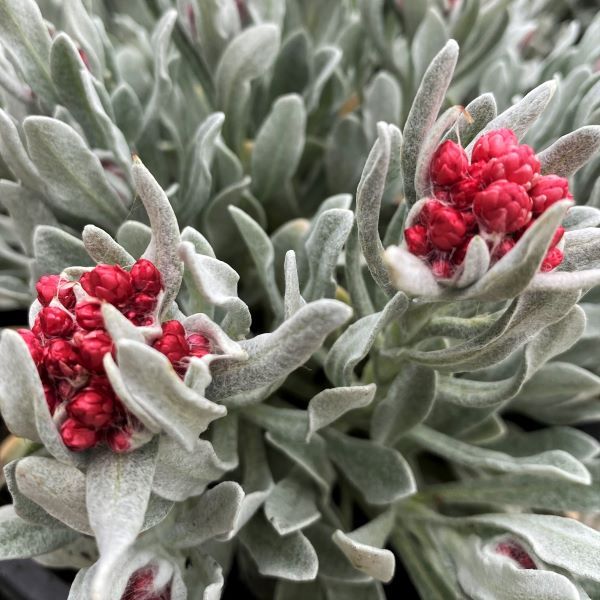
417 240
50 394
141 306
503 248
442 268
429 209
33 344
92 348
558 235
514 550
62 359
145 277
463 193
92 407
55 322
173 327
49 287
199 345
458 256
119 440
553 258
77 437
493 145
173 345
449 164
548 190
108 282
88 314
503 207
447 228
519 165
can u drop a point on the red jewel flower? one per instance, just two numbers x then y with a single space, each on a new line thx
141 306
108 282
514 550
493 145
92 407
458 256
449 164
503 207
557 237
118 440
49 287
78 437
548 190
463 193
417 240
92 348
145 277
62 359
553 258
173 343
50 394
199 345
447 228
442 268
55 322
88 314
519 165
33 344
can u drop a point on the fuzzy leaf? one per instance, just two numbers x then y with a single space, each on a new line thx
275 158
323 247
291 557
165 232
103 248
424 111
117 494
552 463
292 300
331 404
569 153
273 356
354 344
61 157
407 403
383 102
478 113
19 539
381 474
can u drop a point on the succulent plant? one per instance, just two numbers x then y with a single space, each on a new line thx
416 282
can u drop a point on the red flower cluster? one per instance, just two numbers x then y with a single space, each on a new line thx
68 342
498 196
140 584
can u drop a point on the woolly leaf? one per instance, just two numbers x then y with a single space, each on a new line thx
331 404
382 102
381 474
569 153
292 301
103 248
477 114
61 157
291 557
275 158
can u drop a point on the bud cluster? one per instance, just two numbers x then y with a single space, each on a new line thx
68 342
498 195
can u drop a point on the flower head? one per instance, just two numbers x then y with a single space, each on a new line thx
548 190
108 282
77 436
55 322
503 207
93 407
449 164
145 277
494 144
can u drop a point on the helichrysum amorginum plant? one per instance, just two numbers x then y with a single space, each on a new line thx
352 400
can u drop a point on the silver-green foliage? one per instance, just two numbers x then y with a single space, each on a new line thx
256 126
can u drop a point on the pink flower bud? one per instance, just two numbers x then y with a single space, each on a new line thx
447 228
145 277
108 282
516 552
503 248
557 237
33 344
140 307
493 145
417 240
88 314
92 407
55 322
519 165
78 437
119 440
199 345
173 343
449 164
463 193
548 190
442 268
553 258
503 207
62 360
92 348
49 287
